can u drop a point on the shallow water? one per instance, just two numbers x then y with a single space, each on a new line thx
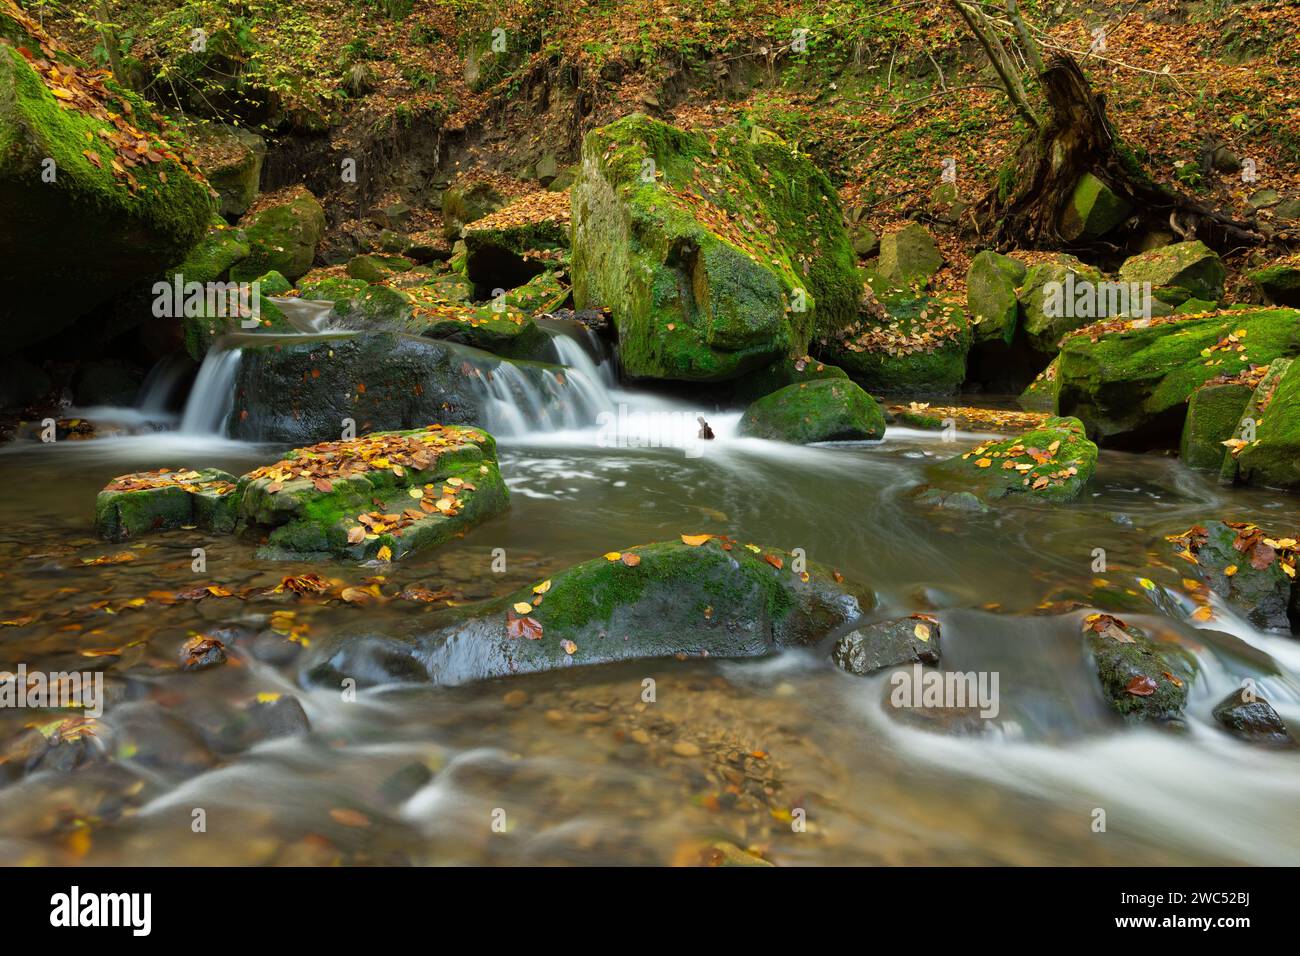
574 766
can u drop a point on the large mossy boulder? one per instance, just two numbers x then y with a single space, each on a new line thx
1040 394
704 596
468 201
1246 567
918 348
1212 415
1272 459
308 390
909 257
382 496
991 283
231 158
783 372
1049 298
1093 210
211 259
716 252
499 329
1051 462
93 199
512 245
282 235
139 503
1265 380
1179 271
826 410
1141 679
1129 381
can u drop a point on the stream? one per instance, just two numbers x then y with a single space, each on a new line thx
786 755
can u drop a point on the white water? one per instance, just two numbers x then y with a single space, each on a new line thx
213 396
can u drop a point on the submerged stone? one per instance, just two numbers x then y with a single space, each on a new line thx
135 504
716 597
824 410
1142 679
1252 718
874 647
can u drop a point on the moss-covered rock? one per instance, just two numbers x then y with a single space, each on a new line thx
71 221
282 235
501 330
136 504
203 325
717 252
1245 430
874 647
231 158
541 293
378 268
1279 283
909 257
467 202
1142 679
824 410
1040 394
1130 383
919 348
1052 462
1272 460
517 242
1246 567
1189 268
1093 210
1212 415
211 259
720 598
1246 715
783 372
1048 305
991 283
384 495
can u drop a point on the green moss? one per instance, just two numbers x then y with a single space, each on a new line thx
824 410
1165 668
282 237
991 283
1056 456
1272 460
1212 415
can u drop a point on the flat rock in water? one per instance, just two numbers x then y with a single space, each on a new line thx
1253 718
874 647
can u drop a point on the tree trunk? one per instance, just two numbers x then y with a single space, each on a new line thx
1023 209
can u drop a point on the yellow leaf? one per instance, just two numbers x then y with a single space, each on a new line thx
543 587
1230 570
523 607
983 463
695 540
415 492
385 553
922 631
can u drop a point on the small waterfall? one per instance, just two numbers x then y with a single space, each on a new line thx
212 398
308 316
528 399
162 386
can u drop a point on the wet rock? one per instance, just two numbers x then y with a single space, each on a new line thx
822 410
542 293
991 283
1189 266
909 257
1142 679
728 854
386 494
499 328
958 501
135 504
1052 462
83 233
378 268
1240 565
1252 718
1212 415
874 647
707 298
1093 210
514 244
106 382
404 783
718 598
1040 394
282 235
1130 386
201 652
783 372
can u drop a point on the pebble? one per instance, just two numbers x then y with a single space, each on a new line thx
684 748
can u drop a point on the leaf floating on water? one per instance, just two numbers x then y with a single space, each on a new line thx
695 540
1141 686
349 818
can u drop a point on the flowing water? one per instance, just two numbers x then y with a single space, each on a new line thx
787 755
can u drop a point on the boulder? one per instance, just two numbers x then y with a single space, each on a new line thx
716 252
1093 210
1279 283
1185 269
875 647
382 496
783 372
1129 381
1142 679
502 330
211 259
1246 567
231 159
824 410
991 283
136 504
1245 431
374 268
703 596
918 347
1050 296
282 235
909 257
1250 717
1272 460
467 202
1040 394
71 221
1052 462
541 293
1212 415
514 244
